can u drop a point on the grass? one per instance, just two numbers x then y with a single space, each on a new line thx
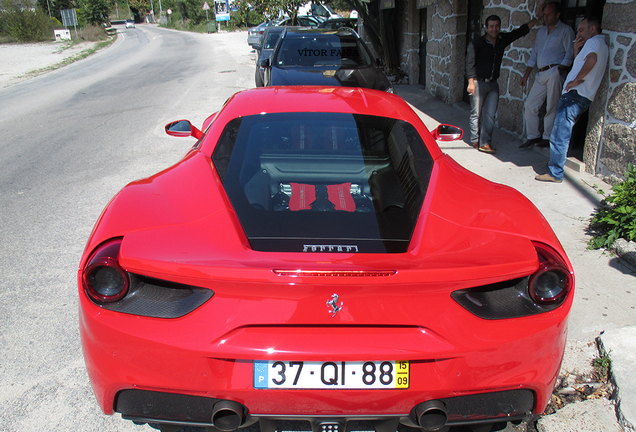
602 365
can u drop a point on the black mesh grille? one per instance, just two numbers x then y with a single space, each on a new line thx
159 299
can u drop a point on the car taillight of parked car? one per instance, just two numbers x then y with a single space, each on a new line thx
552 281
104 280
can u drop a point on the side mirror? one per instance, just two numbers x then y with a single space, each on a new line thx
183 128
445 132
257 46
265 64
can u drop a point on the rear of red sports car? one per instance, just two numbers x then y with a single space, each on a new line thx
316 257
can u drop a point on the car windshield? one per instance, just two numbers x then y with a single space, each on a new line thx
306 181
327 49
271 40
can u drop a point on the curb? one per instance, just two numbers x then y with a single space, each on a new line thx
620 346
625 250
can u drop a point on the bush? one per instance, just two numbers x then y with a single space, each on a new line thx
26 25
177 23
616 216
93 33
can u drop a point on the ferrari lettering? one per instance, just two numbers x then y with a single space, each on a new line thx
330 248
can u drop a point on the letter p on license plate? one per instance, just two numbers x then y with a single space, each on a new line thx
373 375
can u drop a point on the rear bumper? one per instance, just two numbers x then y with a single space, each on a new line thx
177 409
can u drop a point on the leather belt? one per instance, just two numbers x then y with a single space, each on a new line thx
543 69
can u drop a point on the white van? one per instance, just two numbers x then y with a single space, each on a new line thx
319 9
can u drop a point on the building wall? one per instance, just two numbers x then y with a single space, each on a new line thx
611 135
446 49
610 144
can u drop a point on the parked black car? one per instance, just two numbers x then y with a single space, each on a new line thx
324 57
264 49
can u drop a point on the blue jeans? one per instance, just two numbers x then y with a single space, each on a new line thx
483 107
571 107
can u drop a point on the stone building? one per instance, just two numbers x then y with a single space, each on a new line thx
432 36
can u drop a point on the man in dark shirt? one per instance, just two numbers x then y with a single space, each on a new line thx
483 62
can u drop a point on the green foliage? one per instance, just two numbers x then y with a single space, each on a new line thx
93 33
93 11
602 364
141 7
616 216
242 14
271 8
53 7
23 25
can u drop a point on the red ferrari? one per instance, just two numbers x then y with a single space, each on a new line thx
315 257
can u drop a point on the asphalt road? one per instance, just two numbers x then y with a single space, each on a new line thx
70 140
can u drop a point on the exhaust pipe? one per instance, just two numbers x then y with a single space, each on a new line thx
228 415
431 415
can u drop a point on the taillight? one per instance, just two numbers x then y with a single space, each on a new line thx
552 281
104 280
543 291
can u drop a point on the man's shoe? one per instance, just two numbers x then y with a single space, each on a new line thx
543 143
487 149
475 145
547 178
530 142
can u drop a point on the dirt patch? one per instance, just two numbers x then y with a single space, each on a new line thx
24 61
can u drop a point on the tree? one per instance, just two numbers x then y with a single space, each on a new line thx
242 11
94 11
141 8
272 8
54 7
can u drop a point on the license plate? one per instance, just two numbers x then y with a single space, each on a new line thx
331 375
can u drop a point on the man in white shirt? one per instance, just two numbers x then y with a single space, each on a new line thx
552 53
579 90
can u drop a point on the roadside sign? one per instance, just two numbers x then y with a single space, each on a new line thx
206 6
69 18
221 10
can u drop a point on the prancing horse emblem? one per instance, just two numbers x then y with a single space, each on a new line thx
333 304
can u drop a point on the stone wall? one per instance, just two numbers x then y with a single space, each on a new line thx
611 140
445 49
409 28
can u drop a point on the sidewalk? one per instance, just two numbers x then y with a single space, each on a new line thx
605 299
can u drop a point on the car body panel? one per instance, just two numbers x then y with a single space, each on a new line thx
264 49
179 225
336 23
254 34
301 21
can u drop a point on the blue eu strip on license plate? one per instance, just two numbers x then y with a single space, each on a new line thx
373 375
